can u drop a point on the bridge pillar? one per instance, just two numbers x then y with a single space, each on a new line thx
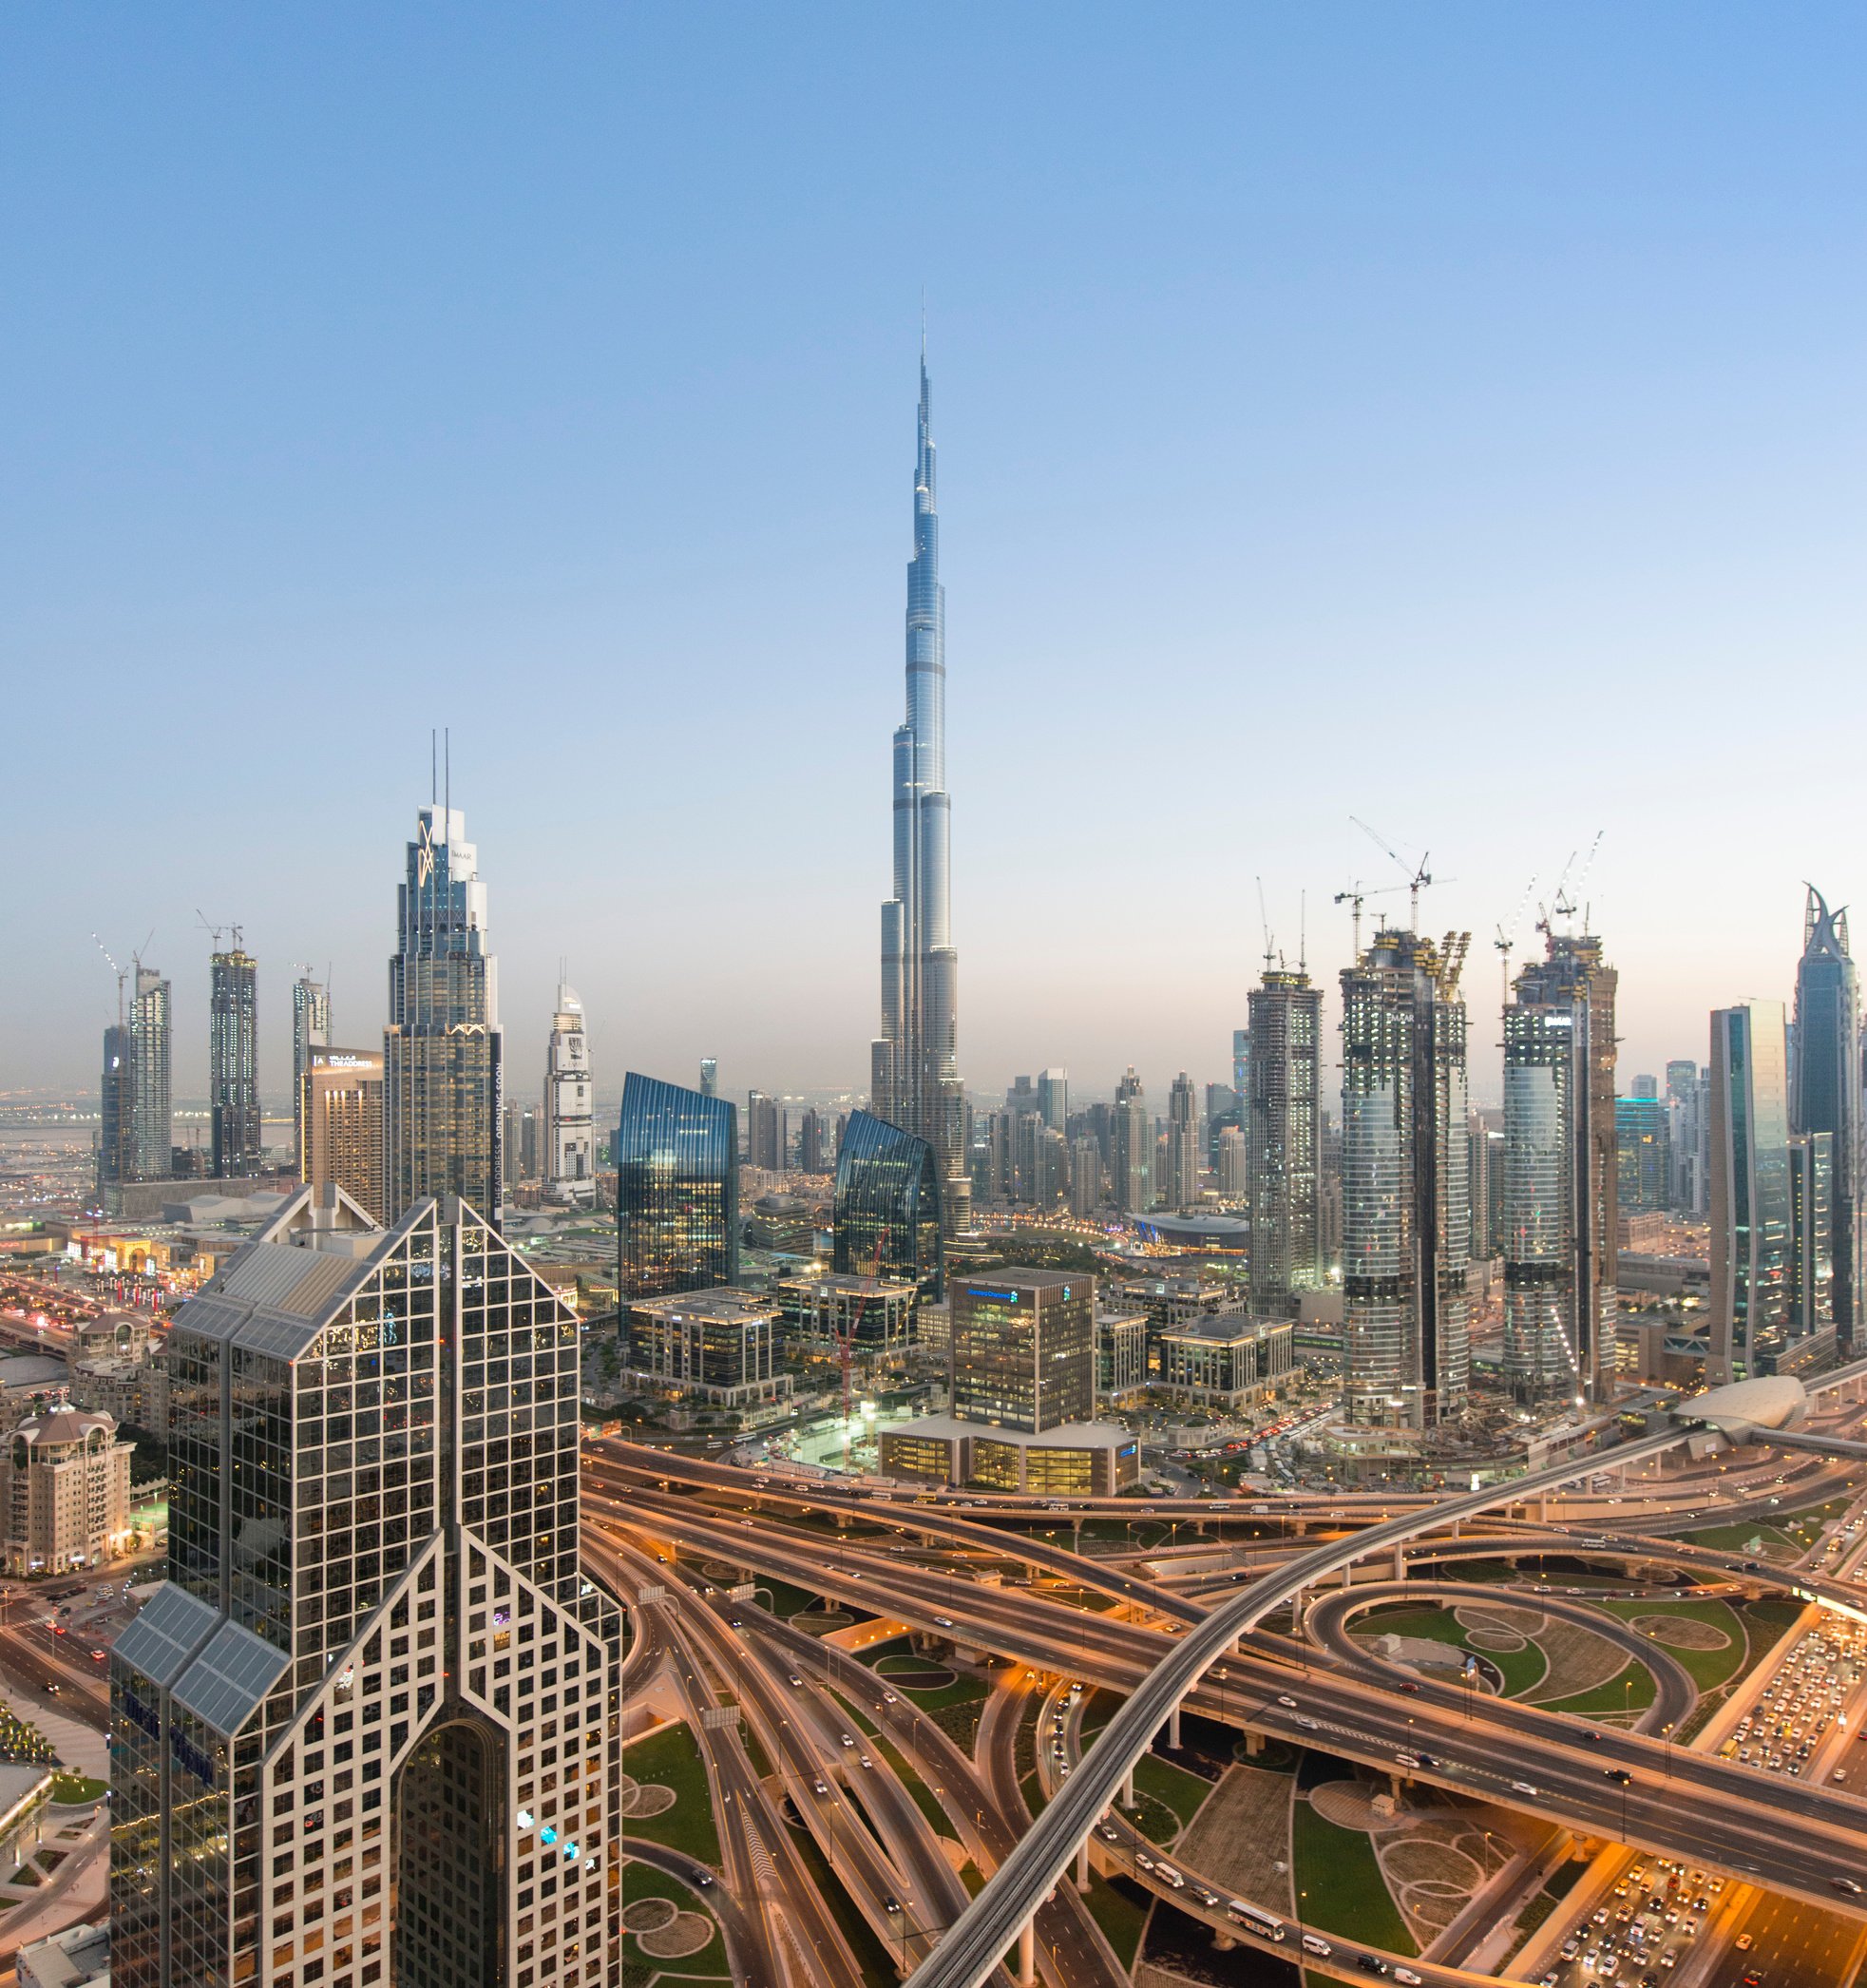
1254 1743
1543 1506
1082 1864
1127 1789
1174 1729
1456 1523
1027 1953
1399 1561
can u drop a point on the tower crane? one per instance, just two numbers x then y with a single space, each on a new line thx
1356 897
118 971
1264 919
1418 879
214 931
1507 936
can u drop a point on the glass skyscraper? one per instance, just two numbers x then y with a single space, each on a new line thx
676 1190
443 1051
1280 1115
886 1218
233 1062
1406 1222
1024 1349
311 1029
1827 1087
1750 1192
914 1062
149 1069
368 1731
116 1145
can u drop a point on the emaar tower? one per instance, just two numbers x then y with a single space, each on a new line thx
914 1065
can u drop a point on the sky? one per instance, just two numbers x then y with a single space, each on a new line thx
1449 416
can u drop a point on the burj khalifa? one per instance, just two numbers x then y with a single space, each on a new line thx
914 1073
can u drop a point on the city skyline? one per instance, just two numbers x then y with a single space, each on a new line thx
1277 438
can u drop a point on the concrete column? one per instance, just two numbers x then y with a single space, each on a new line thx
1254 1743
1399 1561
1543 1506
1027 1954
1127 1789
1082 1864
1174 1727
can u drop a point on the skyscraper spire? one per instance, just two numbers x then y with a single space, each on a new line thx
915 1082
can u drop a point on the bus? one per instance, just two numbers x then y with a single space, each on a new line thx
1265 1925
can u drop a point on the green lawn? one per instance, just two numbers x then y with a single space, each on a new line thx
924 1798
673 1757
642 1881
71 1790
1708 1668
1522 1669
1346 1893
962 1690
1120 1908
1632 1689
1182 1793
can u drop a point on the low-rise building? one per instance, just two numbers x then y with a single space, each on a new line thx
77 1957
1073 1460
64 1493
824 1312
135 1392
1227 1360
1121 1356
719 1346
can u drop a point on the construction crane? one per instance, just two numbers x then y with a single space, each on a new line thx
1453 948
1356 896
1264 920
119 972
1507 936
1564 904
1417 879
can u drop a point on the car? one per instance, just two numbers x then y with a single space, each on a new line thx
1523 1787
820 1786
1753 1977
1744 1942
52 1687
1408 1685
1315 1944
845 1739
1407 1760
1407 1975
1144 1861
703 1878
1310 1725
1619 1774
863 1760
1850 1885
943 1621
100 1657
1204 1896
1108 1832
889 1698
1285 1699
796 1681
890 1904
1429 1760
1372 1963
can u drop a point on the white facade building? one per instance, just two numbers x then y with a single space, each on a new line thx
570 1136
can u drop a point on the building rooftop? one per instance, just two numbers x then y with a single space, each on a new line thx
31 1370
848 1281
1224 1325
65 1426
725 1301
1017 1279
1068 1435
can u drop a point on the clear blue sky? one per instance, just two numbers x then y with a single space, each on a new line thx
1447 414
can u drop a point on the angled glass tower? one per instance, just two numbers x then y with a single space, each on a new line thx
914 1062
886 1215
1825 1088
442 1049
1280 1123
233 1062
676 1190
368 1731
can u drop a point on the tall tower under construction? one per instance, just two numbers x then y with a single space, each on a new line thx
1279 1113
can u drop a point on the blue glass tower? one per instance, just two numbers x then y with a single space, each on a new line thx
914 1062
886 1215
1826 1084
676 1191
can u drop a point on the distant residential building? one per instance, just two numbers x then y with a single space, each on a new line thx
150 1033
1226 1361
764 1133
233 1062
443 1048
716 1347
569 1114
708 1077
1054 1099
1121 1356
676 1190
1232 1165
64 1491
1826 1095
1023 1348
1643 1136
1644 1087
1280 1128
1406 1219
116 1147
885 1217
340 1118
1182 1183
1811 1247
1684 1099
311 1029
1132 1165
814 1155
1085 1176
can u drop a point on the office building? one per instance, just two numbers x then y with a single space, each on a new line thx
311 1029
443 1050
1647 1087
149 1050
1182 1182
914 1062
886 1215
1280 1124
116 1145
710 1077
824 1312
1085 1176
1231 1163
1406 1223
1241 1064
1121 1356
1023 1348
1749 1322
1811 1329
715 1347
785 1223
233 1062
676 1190
1226 1361
1826 1096
1643 1132
1559 1208
1054 1099
1478 1173
340 1118
1079 1460
1685 1113
569 1114
814 1155
64 1493
764 1133
368 1730
1131 1167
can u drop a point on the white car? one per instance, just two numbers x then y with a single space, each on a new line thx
1523 1787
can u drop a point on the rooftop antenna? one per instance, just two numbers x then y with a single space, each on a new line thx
433 765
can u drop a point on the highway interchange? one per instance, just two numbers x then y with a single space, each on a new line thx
1171 1627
